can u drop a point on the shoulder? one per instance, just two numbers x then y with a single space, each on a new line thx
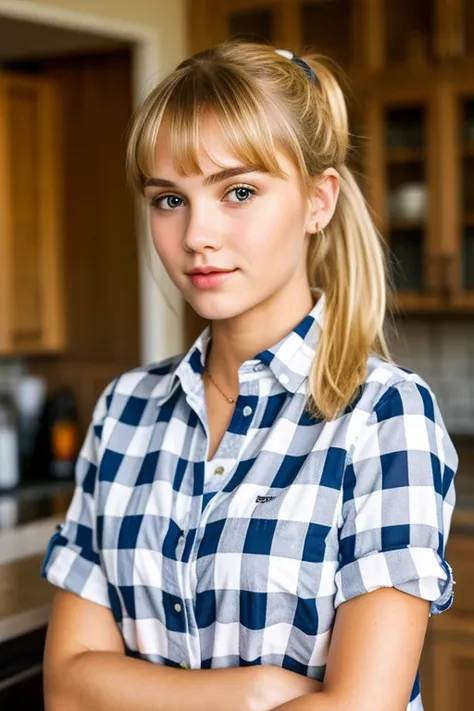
390 385
399 412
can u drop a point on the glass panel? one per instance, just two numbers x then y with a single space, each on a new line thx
326 28
406 194
405 127
255 26
468 188
407 259
409 30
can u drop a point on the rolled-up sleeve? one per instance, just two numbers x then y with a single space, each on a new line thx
72 560
398 499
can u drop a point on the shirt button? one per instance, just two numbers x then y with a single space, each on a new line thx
178 607
258 367
219 470
183 665
247 411
284 379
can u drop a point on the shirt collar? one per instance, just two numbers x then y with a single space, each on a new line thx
290 360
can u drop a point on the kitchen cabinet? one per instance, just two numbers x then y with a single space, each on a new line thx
447 677
457 19
31 319
419 161
456 119
334 27
402 171
369 35
453 670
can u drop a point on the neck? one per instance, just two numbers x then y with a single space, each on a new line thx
238 339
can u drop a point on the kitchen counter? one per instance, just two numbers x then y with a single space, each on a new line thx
34 501
25 598
28 518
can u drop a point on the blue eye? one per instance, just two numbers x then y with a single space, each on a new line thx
242 193
172 202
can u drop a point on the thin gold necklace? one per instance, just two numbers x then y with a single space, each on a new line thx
230 400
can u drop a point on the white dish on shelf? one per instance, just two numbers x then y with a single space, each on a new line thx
408 202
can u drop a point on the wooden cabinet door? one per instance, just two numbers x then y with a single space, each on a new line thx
453 673
30 291
449 672
456 146
335 28
457 40
409 34
401 165
214 21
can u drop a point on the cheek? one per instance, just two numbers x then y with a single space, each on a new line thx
165 240
277 233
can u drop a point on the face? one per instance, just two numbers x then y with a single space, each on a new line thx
234 241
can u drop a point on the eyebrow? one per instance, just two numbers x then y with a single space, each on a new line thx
209 180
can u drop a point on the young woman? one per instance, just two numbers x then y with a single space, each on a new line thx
270 511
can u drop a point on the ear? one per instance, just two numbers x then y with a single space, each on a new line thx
322 200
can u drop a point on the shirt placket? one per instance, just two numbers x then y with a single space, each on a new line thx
242 421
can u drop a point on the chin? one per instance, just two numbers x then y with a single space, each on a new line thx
218 308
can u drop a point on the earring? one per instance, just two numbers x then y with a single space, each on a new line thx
318 228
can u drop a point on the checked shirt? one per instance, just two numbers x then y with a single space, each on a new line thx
245 559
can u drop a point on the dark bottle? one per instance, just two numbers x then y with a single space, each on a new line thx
63 434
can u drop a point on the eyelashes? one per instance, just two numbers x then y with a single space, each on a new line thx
170 202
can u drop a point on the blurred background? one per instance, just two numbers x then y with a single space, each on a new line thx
78 304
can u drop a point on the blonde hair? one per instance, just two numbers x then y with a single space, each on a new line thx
262 101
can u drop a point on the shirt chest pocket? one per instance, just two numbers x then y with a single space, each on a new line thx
282 545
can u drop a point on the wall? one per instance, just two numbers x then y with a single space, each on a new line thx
167 17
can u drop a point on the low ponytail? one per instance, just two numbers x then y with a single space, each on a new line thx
347 261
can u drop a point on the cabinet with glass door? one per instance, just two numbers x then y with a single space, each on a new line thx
456 115
401 168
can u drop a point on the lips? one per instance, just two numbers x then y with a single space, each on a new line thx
208 270
210 277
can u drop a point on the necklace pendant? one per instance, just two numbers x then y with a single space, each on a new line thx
230 400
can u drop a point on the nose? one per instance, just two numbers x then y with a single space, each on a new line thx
202 230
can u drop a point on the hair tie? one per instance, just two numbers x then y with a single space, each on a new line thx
301 63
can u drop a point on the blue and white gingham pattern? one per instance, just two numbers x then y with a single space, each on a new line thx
248 565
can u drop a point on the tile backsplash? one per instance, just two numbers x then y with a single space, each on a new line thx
441 351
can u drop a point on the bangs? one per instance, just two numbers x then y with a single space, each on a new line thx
245 116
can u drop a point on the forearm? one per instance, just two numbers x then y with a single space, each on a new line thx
107 681
324 701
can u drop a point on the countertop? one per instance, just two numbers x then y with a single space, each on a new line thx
28 518
25 598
